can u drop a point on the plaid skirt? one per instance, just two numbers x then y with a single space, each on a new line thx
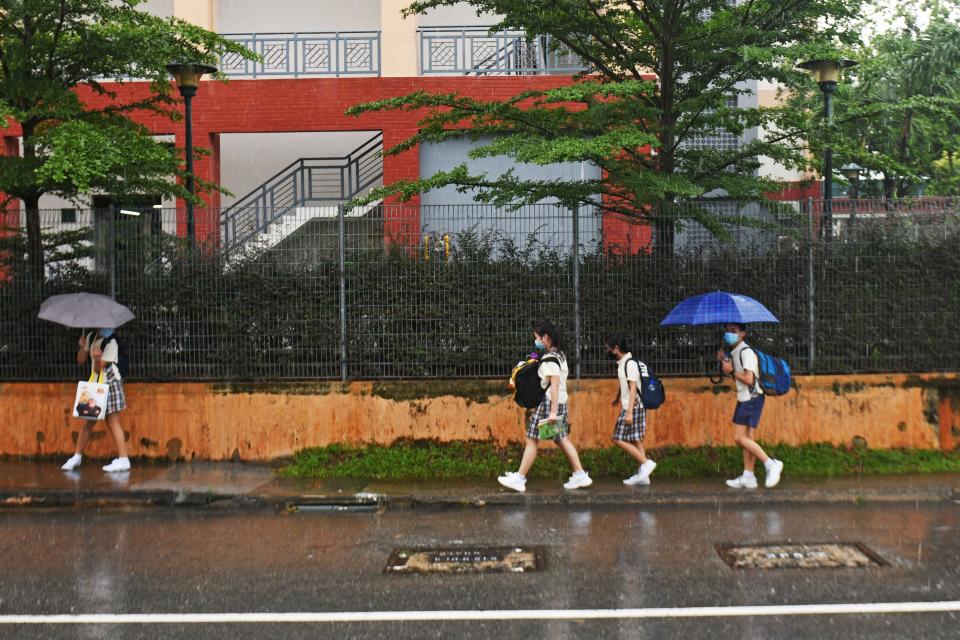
116 399
631 432
542 412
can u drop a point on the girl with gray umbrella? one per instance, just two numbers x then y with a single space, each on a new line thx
102 350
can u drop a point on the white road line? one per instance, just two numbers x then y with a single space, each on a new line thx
503 614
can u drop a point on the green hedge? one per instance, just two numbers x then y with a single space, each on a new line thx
888 302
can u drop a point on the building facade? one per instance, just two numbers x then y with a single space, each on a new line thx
282 145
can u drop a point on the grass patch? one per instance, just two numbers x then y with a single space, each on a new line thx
420 460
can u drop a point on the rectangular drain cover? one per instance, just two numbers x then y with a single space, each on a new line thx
466 560
833 555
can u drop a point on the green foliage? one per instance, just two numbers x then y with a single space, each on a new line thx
266 314
429 460
56 53
899 114
700 51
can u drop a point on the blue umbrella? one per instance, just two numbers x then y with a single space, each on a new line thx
718 307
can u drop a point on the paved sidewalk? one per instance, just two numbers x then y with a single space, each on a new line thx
43 484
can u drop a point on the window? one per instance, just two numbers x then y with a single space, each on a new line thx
68 216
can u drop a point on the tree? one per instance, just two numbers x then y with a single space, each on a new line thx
50 49
666 73
900 113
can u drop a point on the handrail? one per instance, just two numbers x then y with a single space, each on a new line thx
296 185
314 53
466 50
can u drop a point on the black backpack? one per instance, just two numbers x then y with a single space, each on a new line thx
528 392
123 357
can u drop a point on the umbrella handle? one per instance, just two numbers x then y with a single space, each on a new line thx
717 378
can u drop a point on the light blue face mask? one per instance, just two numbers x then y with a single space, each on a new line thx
539 345
731 338
106 333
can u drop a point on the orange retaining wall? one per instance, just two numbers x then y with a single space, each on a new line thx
272 420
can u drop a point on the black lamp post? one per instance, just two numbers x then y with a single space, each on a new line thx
827 75
187 75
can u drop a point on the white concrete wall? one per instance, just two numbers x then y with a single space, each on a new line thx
247 160
460 15
247 16
162 8
442 212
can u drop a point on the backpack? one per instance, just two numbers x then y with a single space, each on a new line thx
123 356
650 388
774 376
528 392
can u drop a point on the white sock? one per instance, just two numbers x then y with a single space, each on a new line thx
747 474
522 477
768 463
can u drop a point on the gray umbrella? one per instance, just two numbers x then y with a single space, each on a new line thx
82 310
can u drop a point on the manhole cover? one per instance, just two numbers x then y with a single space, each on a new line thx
466 560
833 555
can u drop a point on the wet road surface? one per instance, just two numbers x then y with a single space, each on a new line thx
608 558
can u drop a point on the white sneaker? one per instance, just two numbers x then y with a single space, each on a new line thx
513 480
773 474
578 480
73 462
635 480
646 469
743 482
118 464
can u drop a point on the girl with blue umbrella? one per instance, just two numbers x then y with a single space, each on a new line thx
733 311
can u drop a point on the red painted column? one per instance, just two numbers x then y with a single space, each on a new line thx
206 216
625 235
10 212
401 220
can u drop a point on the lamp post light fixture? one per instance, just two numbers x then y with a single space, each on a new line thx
827 75
852 173
187 75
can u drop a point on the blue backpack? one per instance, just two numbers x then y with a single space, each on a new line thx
774 376
650 388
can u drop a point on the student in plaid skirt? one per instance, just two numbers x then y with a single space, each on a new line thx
103 352
632 422
553 373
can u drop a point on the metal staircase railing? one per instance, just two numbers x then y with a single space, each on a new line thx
304 182
478 51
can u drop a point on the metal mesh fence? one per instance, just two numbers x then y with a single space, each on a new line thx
453 291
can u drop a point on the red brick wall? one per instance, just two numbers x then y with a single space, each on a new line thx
315 104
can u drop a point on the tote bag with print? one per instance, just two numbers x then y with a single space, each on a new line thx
91 400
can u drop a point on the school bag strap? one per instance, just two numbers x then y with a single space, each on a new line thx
756 374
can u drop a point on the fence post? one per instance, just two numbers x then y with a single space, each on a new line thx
341 262
576 288
811 288
113 251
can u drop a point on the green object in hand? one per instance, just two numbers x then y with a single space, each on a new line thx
548 429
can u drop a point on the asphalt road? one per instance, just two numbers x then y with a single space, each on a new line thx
609 559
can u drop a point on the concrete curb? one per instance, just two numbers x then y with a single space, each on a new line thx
401 502
662 499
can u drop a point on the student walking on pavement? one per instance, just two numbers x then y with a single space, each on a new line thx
103 351
631 423
553 373
742 364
